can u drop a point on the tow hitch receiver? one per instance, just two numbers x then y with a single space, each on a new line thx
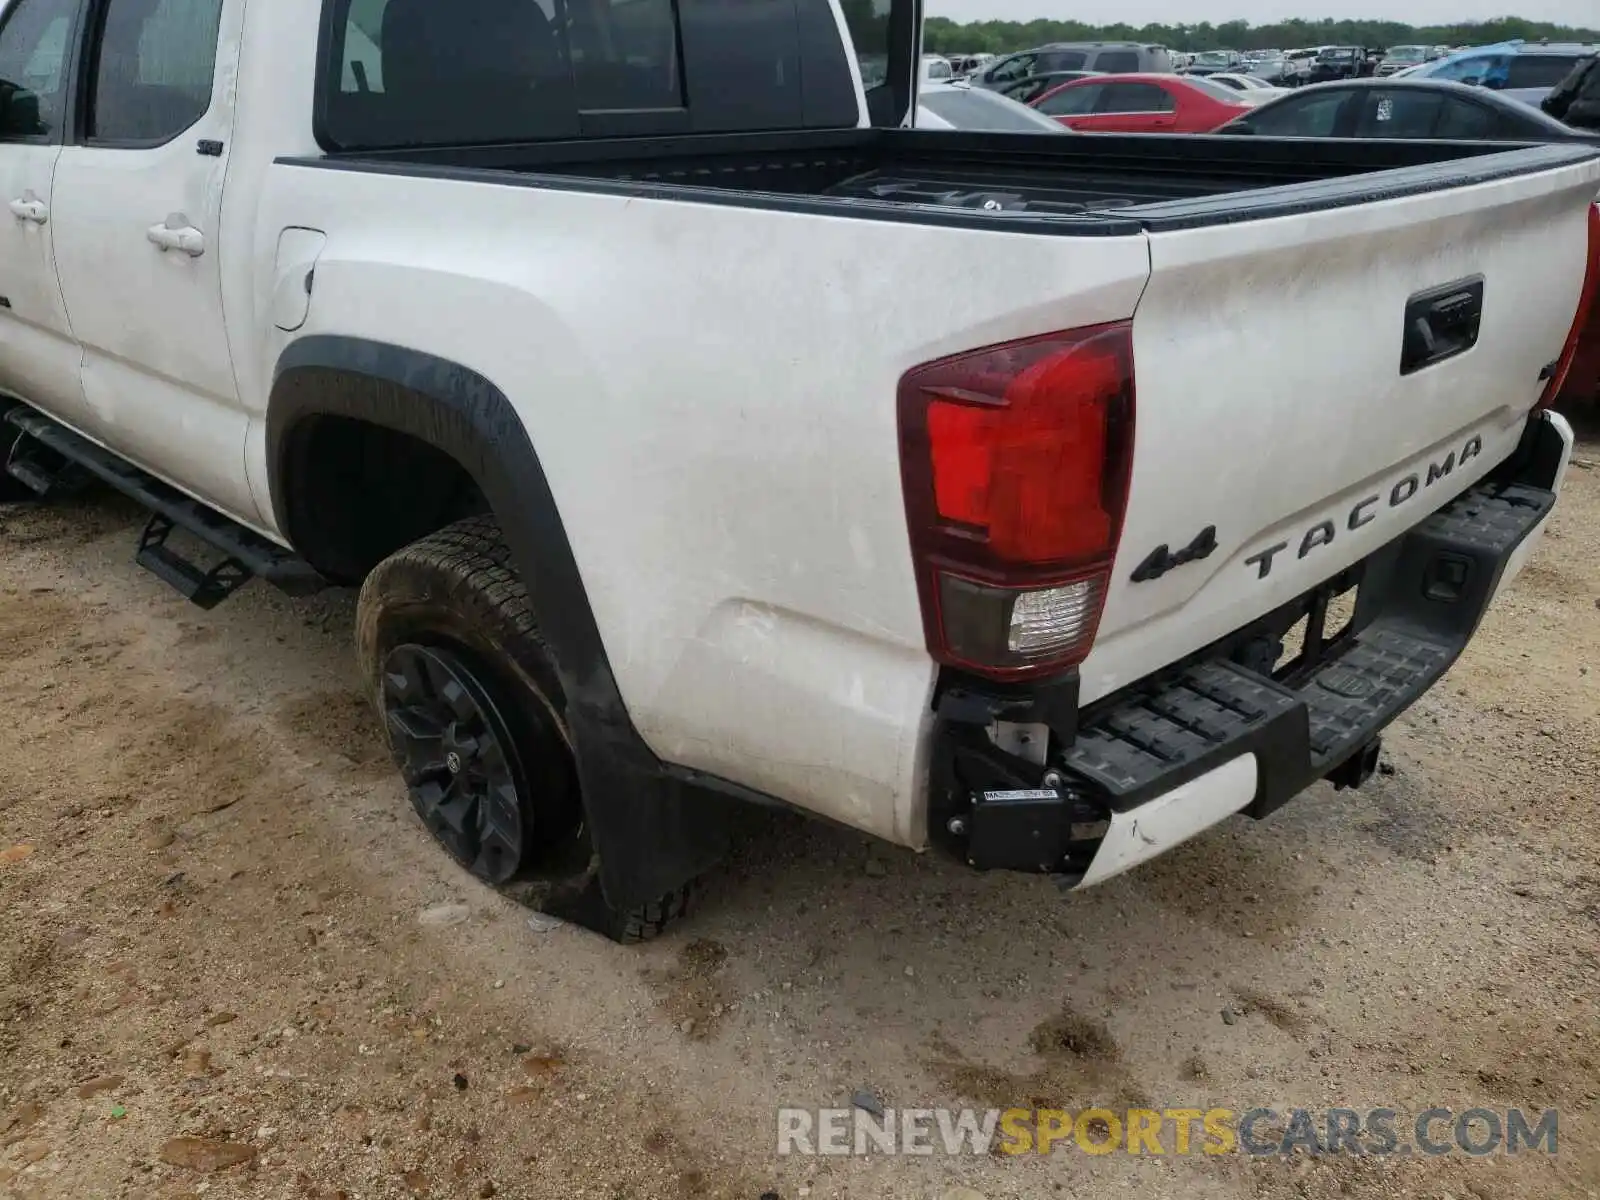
1034 829
1016 831
1358 768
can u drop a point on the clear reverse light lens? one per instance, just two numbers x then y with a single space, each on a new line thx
1049 622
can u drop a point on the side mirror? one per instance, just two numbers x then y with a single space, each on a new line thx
1494 84
1471 81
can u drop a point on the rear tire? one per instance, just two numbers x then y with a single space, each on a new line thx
476 720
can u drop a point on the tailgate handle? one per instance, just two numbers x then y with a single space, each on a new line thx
1441 323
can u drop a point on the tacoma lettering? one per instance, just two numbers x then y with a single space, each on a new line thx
1323 532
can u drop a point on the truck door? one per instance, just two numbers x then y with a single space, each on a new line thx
137 218
39 361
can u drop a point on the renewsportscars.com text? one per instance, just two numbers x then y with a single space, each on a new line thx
1166 1131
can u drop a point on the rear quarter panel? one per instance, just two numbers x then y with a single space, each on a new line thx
711 391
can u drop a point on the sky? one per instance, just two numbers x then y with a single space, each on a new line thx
1262 12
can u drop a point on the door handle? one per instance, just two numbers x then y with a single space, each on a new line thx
30 210
1441 323
173 236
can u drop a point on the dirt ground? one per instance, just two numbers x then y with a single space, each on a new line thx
220 921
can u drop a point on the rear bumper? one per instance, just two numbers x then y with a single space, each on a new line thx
1229 731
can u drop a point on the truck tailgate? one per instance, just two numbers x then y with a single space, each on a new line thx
1273 403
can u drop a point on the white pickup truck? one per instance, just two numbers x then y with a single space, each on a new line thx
610 348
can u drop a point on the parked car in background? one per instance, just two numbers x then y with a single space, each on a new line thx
1337 62
977 110
1581 388
1143 104
965 64
1406 108
1274 70
936 69
1210 62
1301 63
1104 57
1026 91
1257 91
1400 57
1522 71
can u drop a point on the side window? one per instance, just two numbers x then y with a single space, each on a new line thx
1467 70
1464 120
1062 60
1019 67
1135 98
416 73
1117 62
1538 70
1400 114
1072 101
1316 115
153 69
33 67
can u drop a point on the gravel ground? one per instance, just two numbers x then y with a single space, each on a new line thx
232 964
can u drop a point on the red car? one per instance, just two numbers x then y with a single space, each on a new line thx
1142 104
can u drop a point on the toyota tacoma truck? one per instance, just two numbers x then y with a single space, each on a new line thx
608 347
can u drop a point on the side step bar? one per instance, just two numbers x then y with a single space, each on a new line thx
67 460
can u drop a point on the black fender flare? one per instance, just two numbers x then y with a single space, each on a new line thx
649 836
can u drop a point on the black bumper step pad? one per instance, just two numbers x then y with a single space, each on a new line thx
1137 746
1494 520
1350 699
1420 601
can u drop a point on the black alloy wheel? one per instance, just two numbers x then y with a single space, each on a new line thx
475 714
460 763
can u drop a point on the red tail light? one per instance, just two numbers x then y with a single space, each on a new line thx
1580 323
1015 461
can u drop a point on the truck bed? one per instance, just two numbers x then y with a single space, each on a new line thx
1082 183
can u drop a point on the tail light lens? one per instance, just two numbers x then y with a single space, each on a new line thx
1586 308
1015 461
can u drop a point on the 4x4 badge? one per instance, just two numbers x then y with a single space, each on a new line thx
1161 559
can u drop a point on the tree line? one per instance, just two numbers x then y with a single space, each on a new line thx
944 36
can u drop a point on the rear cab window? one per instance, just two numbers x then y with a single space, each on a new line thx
413 73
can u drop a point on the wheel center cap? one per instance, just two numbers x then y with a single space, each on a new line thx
453 761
